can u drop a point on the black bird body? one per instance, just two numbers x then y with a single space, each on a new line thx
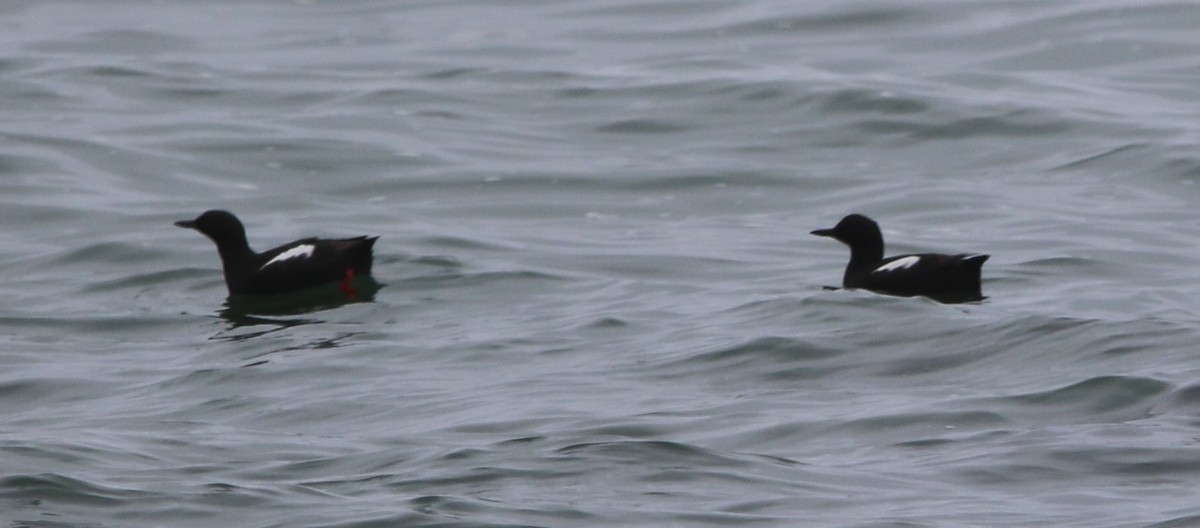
927 274
294 266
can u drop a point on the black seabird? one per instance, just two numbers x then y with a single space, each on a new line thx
294 266
940 277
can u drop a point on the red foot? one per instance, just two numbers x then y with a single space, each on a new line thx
345 285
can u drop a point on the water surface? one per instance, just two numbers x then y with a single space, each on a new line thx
600 305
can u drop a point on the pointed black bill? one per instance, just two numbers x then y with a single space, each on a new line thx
823 232
190 224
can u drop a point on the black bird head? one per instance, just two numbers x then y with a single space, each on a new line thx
221 226
860 233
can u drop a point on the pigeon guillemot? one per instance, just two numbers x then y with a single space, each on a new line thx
291 267
941 277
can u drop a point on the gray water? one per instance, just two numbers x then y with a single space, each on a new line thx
600 304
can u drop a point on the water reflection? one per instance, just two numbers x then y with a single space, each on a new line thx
954 297
273 313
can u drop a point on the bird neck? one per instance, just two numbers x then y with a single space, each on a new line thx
863 261
234 249
866 254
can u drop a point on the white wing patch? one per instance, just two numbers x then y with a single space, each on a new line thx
301 251
898 264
